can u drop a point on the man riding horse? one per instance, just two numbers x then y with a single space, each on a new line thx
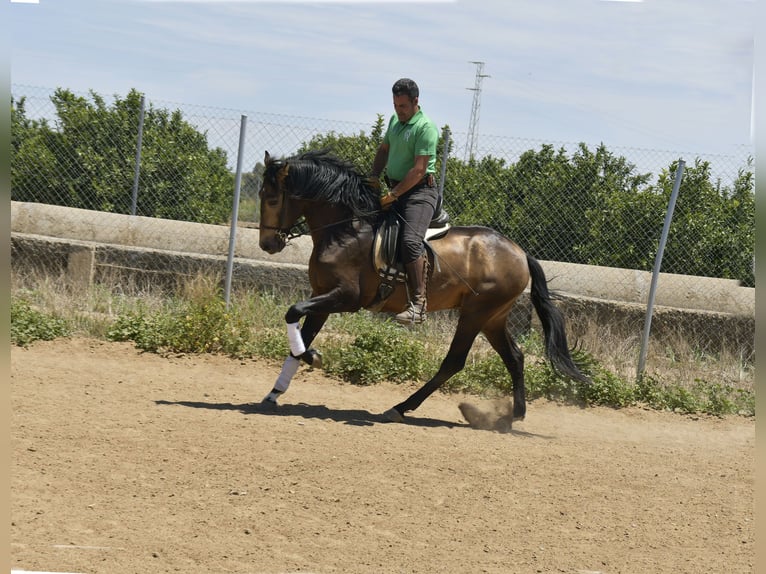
408 154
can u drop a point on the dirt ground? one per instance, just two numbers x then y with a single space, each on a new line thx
125 462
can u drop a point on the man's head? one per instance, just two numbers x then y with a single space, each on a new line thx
406 87
406 94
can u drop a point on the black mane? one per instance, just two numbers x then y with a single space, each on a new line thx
321 176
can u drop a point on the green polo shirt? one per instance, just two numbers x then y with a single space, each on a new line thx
418 136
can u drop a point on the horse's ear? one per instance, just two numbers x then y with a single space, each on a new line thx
266 158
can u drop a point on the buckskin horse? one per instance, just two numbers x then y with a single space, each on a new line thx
473 269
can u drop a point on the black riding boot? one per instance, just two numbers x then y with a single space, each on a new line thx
415 313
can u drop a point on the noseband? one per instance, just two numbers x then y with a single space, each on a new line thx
285 235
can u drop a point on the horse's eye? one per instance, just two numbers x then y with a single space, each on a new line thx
269 194
266 188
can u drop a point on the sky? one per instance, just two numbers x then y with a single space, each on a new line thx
653 74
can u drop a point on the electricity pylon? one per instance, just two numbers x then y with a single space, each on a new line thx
473 125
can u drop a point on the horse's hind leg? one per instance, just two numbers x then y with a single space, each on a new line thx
501 340
465 334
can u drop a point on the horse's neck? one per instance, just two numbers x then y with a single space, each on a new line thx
328 221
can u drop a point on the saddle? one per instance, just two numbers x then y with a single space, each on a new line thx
385 250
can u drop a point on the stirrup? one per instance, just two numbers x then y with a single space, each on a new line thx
411 315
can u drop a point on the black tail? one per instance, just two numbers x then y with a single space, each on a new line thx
556 346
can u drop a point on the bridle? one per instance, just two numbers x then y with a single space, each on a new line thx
286 235
282 231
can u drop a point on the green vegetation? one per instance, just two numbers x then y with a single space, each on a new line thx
29 325
361 348
85 160
378 350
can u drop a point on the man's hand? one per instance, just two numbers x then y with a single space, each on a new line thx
387 200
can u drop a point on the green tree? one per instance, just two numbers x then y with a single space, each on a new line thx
550 201
86 160
712 231
359 149
739 218
34 171
624 231
624 217
475 192
593 207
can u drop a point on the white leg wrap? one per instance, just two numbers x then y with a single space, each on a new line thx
296 341
289 368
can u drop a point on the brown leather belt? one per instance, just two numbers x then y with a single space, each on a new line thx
428 180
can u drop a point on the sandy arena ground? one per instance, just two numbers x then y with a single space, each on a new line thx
125 462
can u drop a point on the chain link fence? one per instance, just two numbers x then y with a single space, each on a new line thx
562 202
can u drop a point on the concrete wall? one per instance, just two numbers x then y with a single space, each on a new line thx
184 239
136 269
146 232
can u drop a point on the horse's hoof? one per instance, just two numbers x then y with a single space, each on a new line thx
503 425
268 403
393 416
316 358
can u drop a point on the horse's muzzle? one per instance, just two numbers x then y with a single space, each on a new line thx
272 244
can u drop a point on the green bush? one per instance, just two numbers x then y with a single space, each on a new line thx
649 390
29 325
271 343
145 331
201 325
488 374
744 402
383 351
702 397
608 390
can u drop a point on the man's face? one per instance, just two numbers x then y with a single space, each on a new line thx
405 108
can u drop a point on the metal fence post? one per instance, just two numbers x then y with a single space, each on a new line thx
235 209
657 265
445 154
134 202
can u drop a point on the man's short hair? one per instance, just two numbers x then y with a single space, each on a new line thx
406 87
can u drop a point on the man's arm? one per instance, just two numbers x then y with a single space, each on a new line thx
413 177
381 157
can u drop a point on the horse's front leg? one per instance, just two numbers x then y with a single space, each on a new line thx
316 311
300 339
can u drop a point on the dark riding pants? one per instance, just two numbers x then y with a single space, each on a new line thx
416 208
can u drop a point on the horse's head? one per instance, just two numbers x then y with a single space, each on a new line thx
278 213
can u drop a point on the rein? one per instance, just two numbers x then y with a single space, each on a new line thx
287 235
